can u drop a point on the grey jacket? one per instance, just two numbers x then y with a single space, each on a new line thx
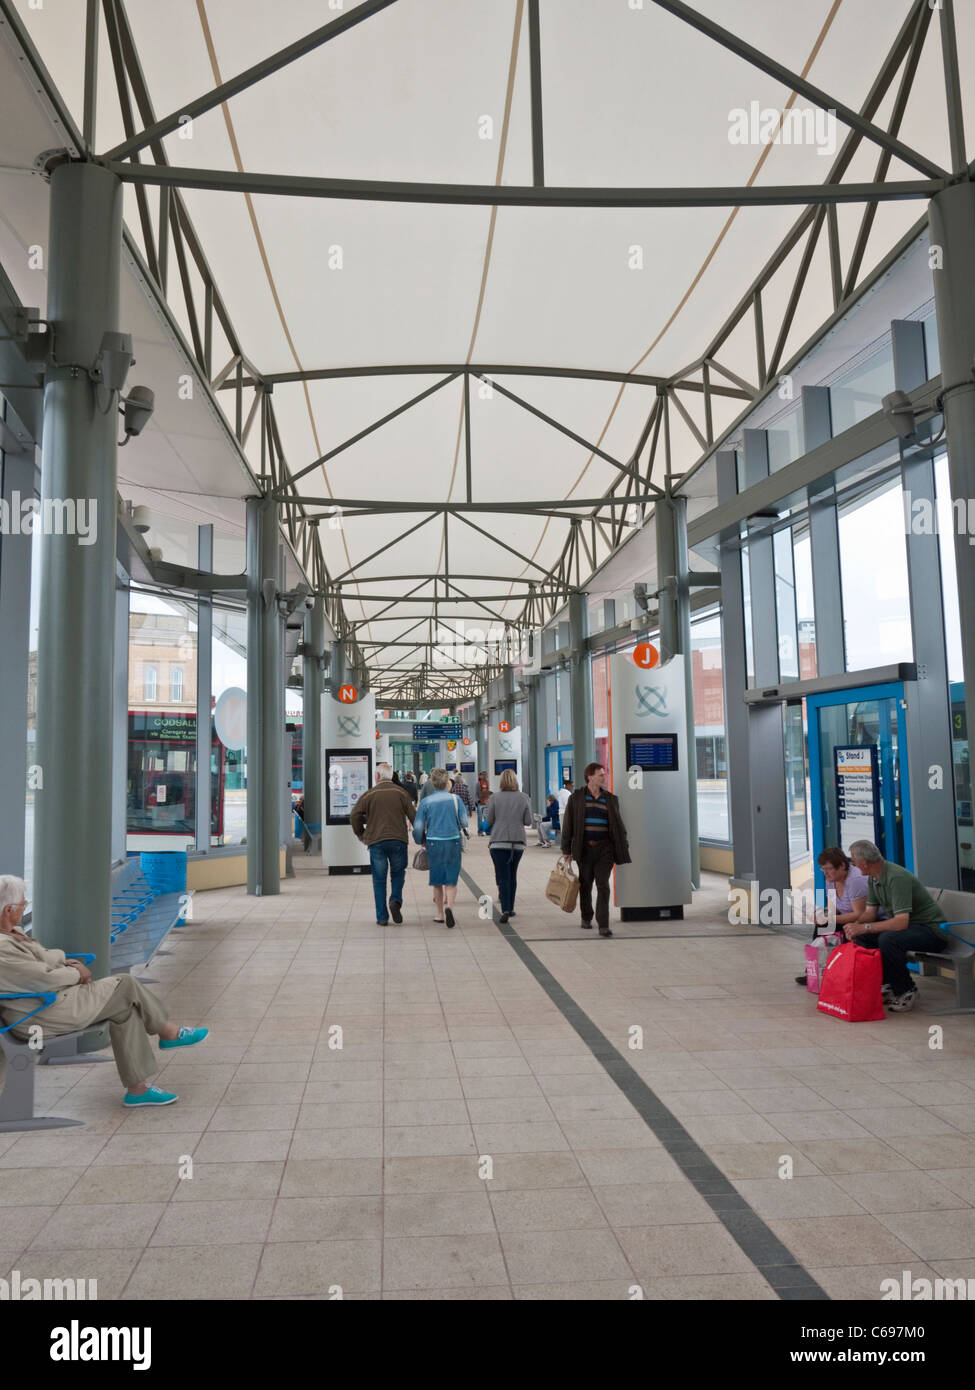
508 813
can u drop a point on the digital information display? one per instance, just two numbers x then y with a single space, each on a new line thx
467 767
652 752
503 765
349 776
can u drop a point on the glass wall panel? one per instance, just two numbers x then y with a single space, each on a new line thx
230 764
785 605
707 670
35 592
861 390
948 520
746 593
795 781
600 711
161 764
873 573
805 612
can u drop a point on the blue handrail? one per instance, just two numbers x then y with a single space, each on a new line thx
46 995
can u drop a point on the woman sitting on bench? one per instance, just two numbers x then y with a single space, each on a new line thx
132 1011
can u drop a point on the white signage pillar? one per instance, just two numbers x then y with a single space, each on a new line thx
348 770
502 748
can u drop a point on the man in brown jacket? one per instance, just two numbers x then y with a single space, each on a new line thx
594 835
381 819
132 1011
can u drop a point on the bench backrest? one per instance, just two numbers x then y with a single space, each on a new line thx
959 907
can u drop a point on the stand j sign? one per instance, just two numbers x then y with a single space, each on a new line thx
645 655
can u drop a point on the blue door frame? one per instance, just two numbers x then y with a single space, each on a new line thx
558 758
814 703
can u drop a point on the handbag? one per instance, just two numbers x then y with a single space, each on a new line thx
817 954
562 888
850 986
421 860
463 833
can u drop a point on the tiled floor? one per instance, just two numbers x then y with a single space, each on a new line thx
402 1112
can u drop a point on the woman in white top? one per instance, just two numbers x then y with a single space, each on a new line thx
846 888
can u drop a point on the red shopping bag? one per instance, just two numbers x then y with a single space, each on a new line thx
850 986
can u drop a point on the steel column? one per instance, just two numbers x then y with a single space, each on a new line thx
204 681
580 677
684 647
75 659
120 724
482 738
761 572
265 699
735 684
929 751
15 572
311 732
666 539
824 539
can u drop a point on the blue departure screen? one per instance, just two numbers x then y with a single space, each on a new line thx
652 752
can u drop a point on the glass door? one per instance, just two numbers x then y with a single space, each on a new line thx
860 792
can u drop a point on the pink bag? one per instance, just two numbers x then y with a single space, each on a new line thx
817 953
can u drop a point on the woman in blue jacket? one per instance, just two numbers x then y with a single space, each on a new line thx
441 818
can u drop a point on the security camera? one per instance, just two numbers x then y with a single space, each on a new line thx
114 359
640 597
900 412
140 519
138 407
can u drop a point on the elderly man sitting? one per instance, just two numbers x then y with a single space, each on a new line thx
131 1010
915 921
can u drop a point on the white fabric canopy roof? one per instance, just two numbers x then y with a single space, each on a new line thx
439 91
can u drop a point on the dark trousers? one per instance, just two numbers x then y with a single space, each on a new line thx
596 865
506 863
894 946
391 855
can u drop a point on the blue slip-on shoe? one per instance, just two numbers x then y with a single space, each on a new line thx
187 1038
151 1097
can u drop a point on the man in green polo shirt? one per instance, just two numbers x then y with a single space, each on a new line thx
916 923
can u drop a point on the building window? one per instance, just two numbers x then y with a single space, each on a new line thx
709 729
873 573
151 683
176 685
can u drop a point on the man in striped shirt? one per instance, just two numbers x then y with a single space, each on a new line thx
594 835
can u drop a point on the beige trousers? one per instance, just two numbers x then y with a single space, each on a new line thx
131 1010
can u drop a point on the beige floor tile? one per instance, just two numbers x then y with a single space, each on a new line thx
902 1122
612 1167
938 1150
668 1251
896 1192
327 1218
140 1182
498 1293
21 1225
433 1173
732 1129
437 1214
36 1186
797 1197
253 1117
710 1288
97 1274
652 1204
229 1221
854 1156
501 1087
238 1146
213 1182
841 1240
419 1262
99 1226
689 1103
554 1209
519 1137
510 1110
195 1271
166 1149
540 1256
935 1235
864 1283
419 1141
960 1181
960 1117
403 1113
68 1149
341 1114
799 1126
599 1291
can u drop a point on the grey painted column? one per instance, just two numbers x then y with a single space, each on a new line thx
929 747
508 695
952 221
204 687
761 572
735 679
580 677
75 659
824 540
536 732
15 567
265 700
337 669
120 721
684 647
766 733
666 539
311 732
482 734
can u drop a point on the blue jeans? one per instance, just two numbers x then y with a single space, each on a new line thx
391 854
506 863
